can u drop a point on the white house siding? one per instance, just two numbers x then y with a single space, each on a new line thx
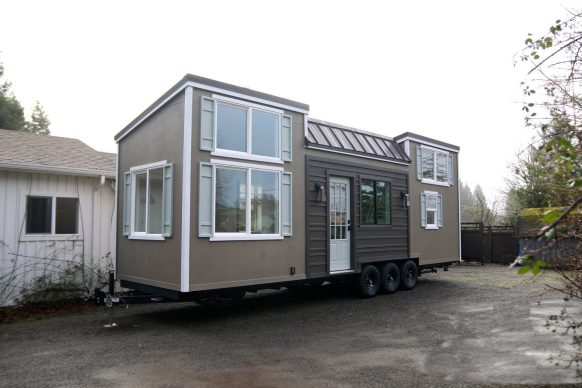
25 258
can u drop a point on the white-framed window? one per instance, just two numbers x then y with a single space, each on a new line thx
434 166
243 130
51 215
246 201
148 201
431 210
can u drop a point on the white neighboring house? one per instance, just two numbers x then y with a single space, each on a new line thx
57 210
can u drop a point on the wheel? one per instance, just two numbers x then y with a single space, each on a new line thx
368 283
390 277
409 275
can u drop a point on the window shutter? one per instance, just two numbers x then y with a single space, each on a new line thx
127 204
423 210
440 211
418 163
451 173
205 200
207 124
167 200
286 140
286 204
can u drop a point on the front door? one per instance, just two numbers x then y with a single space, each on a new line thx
339 222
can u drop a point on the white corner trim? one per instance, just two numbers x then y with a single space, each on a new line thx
153 237
186 191
407 148
427 143
459 203
148 166
231 163
245 156
245 104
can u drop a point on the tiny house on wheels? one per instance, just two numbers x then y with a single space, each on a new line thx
224 189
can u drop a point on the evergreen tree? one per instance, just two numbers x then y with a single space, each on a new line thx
39 122
11 112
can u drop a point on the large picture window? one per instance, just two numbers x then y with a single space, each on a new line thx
148 201
247 201
51 215
248 130
376 207
436 165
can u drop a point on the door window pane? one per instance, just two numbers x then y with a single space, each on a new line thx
66 216
367 202
264 202
382 202
38 215
265 133
230 200
231 128
140 202
155 201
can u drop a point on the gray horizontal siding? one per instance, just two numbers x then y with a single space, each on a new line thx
369 242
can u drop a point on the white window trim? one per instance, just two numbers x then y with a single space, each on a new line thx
133 235
50 236
434 226
248 168
434 181
249 151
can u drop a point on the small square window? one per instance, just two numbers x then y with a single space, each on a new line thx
42 212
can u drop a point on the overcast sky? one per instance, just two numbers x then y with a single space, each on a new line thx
443 69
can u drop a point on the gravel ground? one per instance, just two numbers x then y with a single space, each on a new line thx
471 326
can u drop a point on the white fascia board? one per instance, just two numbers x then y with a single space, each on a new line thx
186 191
356 156
56 170
148 166
428 143
214 90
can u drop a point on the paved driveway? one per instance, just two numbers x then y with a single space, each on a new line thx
472 325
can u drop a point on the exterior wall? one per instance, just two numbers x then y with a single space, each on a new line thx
25 258
434 246
216 264
159 137
369 242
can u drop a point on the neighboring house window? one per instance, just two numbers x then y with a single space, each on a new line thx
51 215
431 211
148 201
244 130
376 202
241 201
434 166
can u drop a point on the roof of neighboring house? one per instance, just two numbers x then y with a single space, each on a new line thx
45 153
426 140
213 86
334 137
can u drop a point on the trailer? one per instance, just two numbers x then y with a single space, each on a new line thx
224 190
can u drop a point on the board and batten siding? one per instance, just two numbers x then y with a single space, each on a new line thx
25 258
369 242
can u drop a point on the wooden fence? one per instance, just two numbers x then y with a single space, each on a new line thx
488 244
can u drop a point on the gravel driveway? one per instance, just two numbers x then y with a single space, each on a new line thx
470 326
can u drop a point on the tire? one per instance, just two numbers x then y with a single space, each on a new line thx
390 278
368 282
409 275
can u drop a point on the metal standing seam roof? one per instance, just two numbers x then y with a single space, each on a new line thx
326 135
25 150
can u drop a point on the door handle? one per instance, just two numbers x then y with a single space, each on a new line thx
349 225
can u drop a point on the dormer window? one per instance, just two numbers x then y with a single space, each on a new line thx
434 166
244 130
